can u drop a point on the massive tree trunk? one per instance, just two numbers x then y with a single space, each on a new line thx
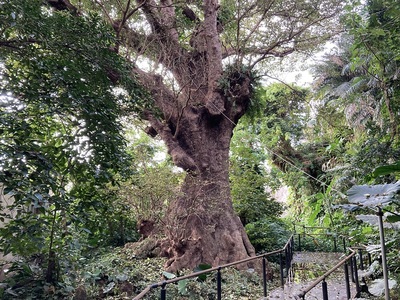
202 226
197 126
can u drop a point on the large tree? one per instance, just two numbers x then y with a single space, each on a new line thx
197 60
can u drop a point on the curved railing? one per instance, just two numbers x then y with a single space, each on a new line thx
285 260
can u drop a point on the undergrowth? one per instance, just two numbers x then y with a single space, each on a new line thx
118 274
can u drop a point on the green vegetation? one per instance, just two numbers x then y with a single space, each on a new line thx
82 176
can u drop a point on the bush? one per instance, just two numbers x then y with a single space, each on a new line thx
268 234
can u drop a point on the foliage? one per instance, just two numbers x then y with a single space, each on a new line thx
392 169
268 234
319 243
153 182
65 162
249 185
250 189
384 197
297 159
372 196
359 80
117 274
285 111
352 99
376 57
61 139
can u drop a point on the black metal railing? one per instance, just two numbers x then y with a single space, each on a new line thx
350 261
303 235
285 260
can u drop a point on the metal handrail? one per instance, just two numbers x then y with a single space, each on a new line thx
288 248
353 250
335 236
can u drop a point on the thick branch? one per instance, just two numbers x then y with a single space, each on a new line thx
168 15
179 156
163 97
214 102
16 44
161 19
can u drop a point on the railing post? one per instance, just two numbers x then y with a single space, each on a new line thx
281 268
289 259
346 275
291 250
334 244
299 248
361 259
324 290
383 252
369 259
356 274
163 295
352 270
264 266
219 288
344 244
286 261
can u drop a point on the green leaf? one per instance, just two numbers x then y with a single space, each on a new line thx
378 32
168 275
182 286
393 218
202 267
386 170
373 195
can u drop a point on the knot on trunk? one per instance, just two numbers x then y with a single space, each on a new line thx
182 160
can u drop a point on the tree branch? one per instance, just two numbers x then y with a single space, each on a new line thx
179 156
163 97
161 19
214 102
